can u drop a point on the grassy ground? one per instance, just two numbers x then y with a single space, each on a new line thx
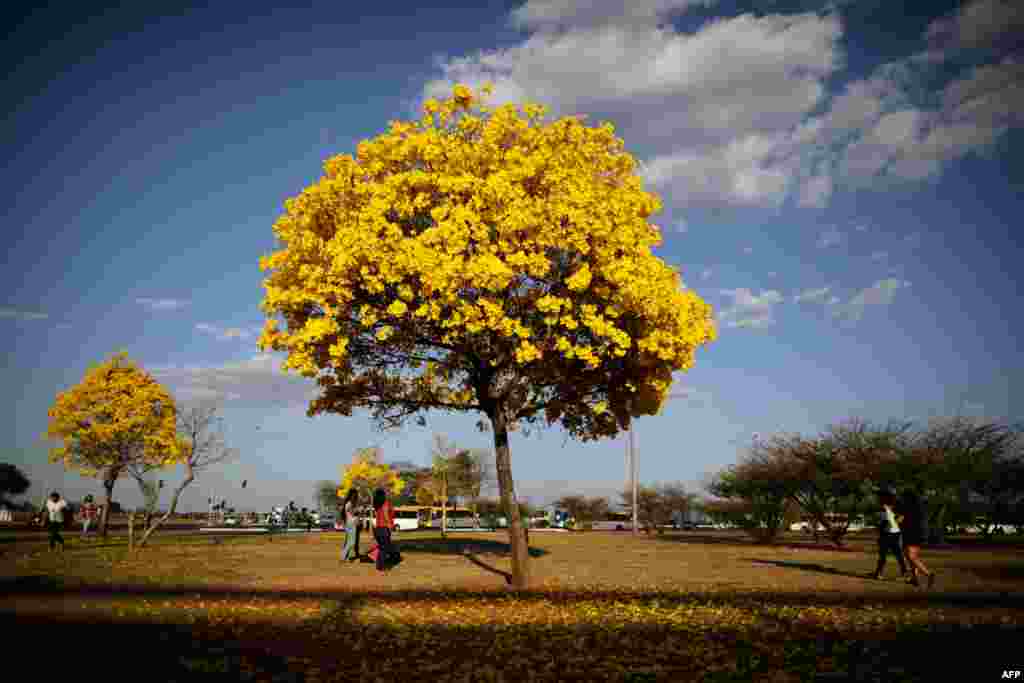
602 606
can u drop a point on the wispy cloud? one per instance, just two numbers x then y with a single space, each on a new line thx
830 238
861 227
813 295
258 379
882 293
748 250
760 127
772 274
19 314
750 310
879 255
157 305
229 333
706 273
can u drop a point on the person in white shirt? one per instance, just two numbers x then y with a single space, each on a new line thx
350 551
889 536
55 507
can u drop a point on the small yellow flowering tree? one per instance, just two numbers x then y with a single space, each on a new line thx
367 473
117 417
482 259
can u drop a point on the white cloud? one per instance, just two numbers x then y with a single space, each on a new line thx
749 310
258 379
19 314
882 293
722 115
830 238
816 192
156 305
729 131
548 14
228 333
813 295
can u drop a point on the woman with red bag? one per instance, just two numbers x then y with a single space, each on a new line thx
387 555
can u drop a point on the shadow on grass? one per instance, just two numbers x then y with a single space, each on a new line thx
459 546
746 542
340 642
810 567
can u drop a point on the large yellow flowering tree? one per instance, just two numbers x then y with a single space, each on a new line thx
117 417
482 259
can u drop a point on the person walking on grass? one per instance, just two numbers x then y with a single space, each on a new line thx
350 551
87 514
889 537
915 529
387 555
55 507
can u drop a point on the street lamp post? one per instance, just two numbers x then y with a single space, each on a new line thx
634 464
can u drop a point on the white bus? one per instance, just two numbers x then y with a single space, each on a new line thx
407 517
459 518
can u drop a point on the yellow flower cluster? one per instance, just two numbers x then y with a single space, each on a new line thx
492 235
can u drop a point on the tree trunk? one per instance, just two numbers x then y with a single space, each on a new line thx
503 462
108 486
170 511
937 527
444 507
131 530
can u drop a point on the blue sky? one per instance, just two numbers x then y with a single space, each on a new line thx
841 182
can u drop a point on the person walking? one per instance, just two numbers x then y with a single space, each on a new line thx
350 551
915 530
384 518
889 537
55 507
88 514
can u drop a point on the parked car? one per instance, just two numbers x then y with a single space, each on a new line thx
325 520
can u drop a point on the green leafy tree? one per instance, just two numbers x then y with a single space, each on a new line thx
756 503
13 482
583 509
325 493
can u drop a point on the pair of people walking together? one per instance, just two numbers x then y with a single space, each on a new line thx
902 530
387 556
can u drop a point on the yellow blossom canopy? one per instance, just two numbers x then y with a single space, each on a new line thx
117 415
482 259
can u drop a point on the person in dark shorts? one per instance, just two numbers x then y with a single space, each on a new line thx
915 529
889 536
387 555
55 507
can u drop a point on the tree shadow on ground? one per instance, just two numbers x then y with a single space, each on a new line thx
460 546
746 542
810 567
341 642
